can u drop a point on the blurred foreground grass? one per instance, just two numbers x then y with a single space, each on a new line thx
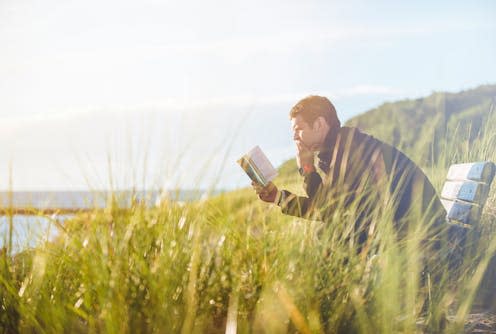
234 264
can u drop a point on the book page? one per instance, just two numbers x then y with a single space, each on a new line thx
263 164
258 166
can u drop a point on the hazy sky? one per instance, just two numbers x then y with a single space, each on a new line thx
172 89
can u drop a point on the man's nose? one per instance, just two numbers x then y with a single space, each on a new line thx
295 136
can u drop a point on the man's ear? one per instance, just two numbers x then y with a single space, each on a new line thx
318 124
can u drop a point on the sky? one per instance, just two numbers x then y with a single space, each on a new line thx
147 94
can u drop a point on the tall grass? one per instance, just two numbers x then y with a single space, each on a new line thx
234 264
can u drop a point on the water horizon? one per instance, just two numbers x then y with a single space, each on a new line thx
33 225
86 199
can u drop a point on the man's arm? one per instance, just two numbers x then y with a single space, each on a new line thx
290 203
301 206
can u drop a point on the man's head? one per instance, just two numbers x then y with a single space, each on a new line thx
311 119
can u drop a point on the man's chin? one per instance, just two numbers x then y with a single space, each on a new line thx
312 148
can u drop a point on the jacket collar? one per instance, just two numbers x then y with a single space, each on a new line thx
328 147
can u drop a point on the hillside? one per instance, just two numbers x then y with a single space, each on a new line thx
419 127
422 127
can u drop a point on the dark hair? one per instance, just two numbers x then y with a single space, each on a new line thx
314 106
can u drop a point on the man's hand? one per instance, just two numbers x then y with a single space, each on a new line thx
304 156
267 193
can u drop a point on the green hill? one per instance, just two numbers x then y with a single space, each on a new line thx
423 127
420 127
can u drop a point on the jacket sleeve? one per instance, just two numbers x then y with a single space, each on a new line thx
301 206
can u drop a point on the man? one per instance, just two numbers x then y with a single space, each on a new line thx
355 170
369 178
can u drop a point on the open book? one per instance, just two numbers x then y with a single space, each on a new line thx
257 166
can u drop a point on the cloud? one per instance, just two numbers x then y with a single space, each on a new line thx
72 141
215 104
315 38
359 90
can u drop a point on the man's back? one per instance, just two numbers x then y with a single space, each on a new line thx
358 167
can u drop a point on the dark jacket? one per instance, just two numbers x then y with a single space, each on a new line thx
358 169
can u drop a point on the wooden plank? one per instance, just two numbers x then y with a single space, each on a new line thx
466 191
465 213
476 171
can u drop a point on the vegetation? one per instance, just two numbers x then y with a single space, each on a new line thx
420 127
232 263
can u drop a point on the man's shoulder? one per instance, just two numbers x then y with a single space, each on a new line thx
366 140
358 135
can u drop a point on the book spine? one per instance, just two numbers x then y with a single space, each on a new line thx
257 171
248 168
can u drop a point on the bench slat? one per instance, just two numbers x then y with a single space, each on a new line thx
465 190
476 171
465 213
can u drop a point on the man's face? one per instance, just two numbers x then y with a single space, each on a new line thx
305 133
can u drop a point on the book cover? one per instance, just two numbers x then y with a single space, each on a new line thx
257 166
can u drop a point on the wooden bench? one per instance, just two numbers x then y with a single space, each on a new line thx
466 190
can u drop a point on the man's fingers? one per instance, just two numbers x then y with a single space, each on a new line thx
262 191
265 193
255 185
301 147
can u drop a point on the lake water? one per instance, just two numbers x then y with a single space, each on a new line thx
28 230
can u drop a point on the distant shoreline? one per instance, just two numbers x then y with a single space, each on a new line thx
31 202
